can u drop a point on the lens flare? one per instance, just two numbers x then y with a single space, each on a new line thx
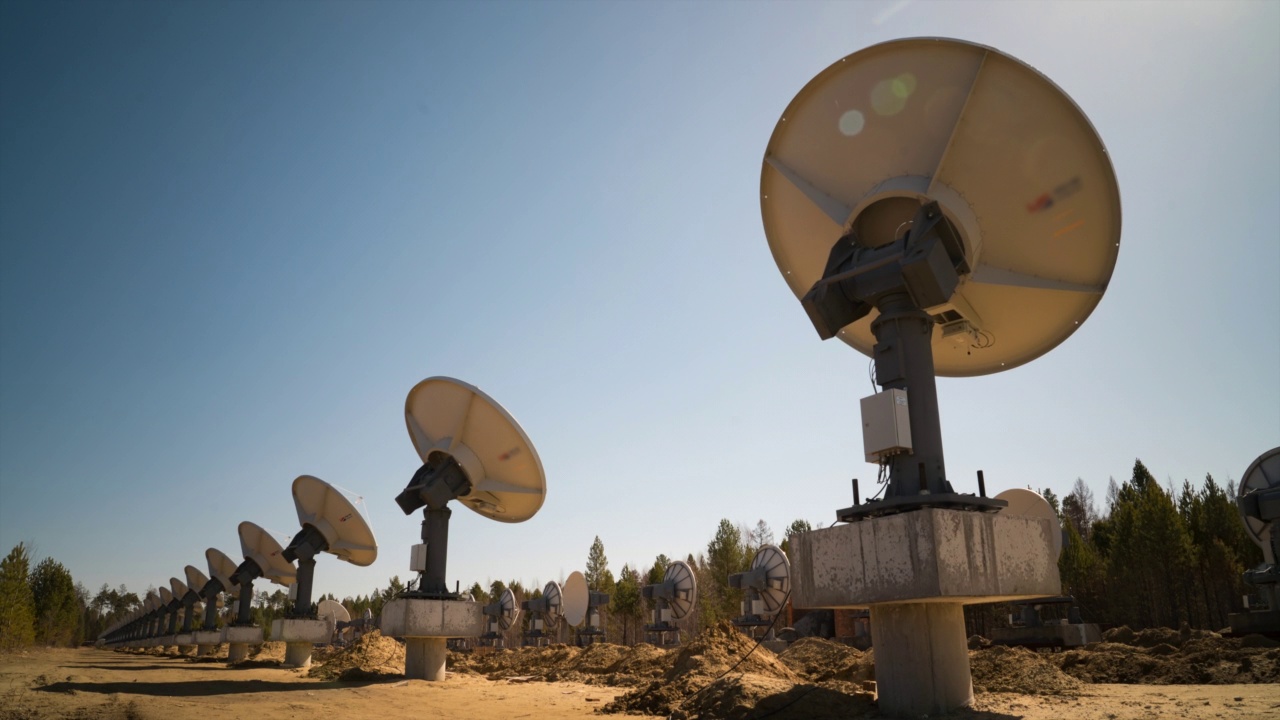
852 122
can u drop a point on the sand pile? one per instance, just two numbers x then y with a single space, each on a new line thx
1160 656
699 663
372 657
597 664
818 659
1018 670
744 697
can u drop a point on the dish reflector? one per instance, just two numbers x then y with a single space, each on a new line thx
323 507
509 609
450 416
1027 503
686 588
195 579
777 574
179 589
332 611
222 568
555 598
257 545
1263 474
1017 168
575 596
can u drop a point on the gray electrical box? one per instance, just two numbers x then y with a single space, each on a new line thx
886 425
418 558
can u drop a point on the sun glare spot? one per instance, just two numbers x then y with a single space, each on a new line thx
852 122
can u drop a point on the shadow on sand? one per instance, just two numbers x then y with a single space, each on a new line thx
196 688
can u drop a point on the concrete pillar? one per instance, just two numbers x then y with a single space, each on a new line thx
205 649
237 652
424 659
298 654
922 658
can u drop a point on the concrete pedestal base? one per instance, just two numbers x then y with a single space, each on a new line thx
922 658
915 571
299 635
424 658
238 639
425 625
207 642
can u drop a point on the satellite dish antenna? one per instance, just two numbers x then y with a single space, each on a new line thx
221 568
263 557
195 583
545 613
473 451
674 599
330 523
1030 504
575 600
766 587
943 208
1258 499
500 616
582 605
333 613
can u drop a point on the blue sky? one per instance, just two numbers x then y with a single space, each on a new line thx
233 236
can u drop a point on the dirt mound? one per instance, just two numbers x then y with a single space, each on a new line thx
1208 659
818 660
268 651
1018 670
372 657
696 665
754 696
596 664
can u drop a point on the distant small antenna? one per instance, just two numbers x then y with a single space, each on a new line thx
499 617
673 598
765 589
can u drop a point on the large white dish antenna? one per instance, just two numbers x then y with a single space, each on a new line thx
1015 165
1028 503
450 416
575 597
685 588
323 507
195 579
178 588
1263 474
222 568
166 596
775 566
257 545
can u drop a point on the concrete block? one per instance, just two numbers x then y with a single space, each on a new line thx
928 555
418 617
208 637
242 634
1054 635
300 630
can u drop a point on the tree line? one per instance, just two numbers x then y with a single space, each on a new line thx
1150 556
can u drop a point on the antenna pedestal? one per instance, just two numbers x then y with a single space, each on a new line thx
426 624
299 635
915 571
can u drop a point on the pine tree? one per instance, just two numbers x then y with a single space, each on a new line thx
17 607
597 567
625 602
57 611
726 554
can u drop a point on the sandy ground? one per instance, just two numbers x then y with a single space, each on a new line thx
87 683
